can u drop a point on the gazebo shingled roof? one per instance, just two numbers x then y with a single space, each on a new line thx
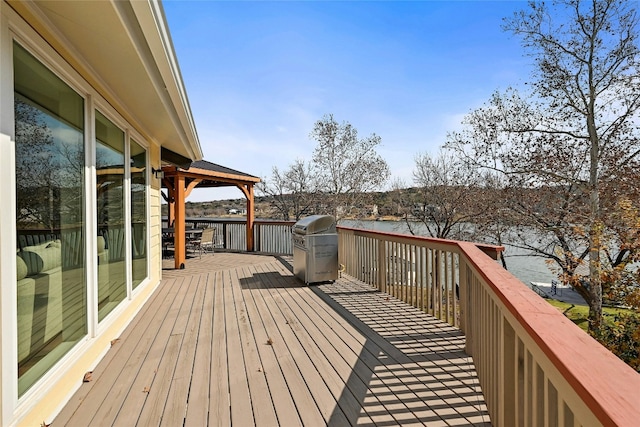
214 167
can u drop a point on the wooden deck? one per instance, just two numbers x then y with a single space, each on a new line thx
235 339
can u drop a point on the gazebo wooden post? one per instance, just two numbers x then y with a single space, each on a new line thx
169 183
250 217
171 213
179 240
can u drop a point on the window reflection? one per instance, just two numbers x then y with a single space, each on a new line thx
51 289
111 219
138 214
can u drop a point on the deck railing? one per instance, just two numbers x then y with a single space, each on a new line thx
535 367
269 236
424 276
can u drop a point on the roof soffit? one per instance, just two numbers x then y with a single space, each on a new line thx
125 53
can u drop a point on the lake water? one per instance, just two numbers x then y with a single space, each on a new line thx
525 267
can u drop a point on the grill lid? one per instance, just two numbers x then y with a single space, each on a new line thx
315 224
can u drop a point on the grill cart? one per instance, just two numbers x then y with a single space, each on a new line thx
315 249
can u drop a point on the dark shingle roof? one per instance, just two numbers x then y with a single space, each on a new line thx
203 164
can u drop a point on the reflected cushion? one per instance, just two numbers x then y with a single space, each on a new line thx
21 268
43 257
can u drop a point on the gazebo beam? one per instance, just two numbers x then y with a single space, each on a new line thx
193 184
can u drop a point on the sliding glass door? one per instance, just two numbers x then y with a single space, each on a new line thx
60 219
112 285
50 217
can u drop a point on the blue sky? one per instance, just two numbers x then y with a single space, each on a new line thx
259 74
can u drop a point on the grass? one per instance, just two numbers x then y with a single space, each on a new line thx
579 314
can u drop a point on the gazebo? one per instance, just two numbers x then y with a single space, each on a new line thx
180 180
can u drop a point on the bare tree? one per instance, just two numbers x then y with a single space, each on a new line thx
35 174
346 167
447 197
567 147
399 198
292 192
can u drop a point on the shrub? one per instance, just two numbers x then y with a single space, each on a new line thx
621 336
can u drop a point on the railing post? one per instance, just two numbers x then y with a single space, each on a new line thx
224 236
463 300
257 244
381 265
250 217
507 382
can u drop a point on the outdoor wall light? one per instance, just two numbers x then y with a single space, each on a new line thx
158 173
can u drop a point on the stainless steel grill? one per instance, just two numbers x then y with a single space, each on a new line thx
315 249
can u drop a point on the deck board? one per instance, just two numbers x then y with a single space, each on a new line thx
262 408
137 342
240 396
178 396
141 375
166 360
331 364
236 339
283 403
111 379
219 399
197 415
321 359
347 352
321 393
301 396
363 359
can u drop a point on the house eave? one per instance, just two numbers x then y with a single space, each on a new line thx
124 50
